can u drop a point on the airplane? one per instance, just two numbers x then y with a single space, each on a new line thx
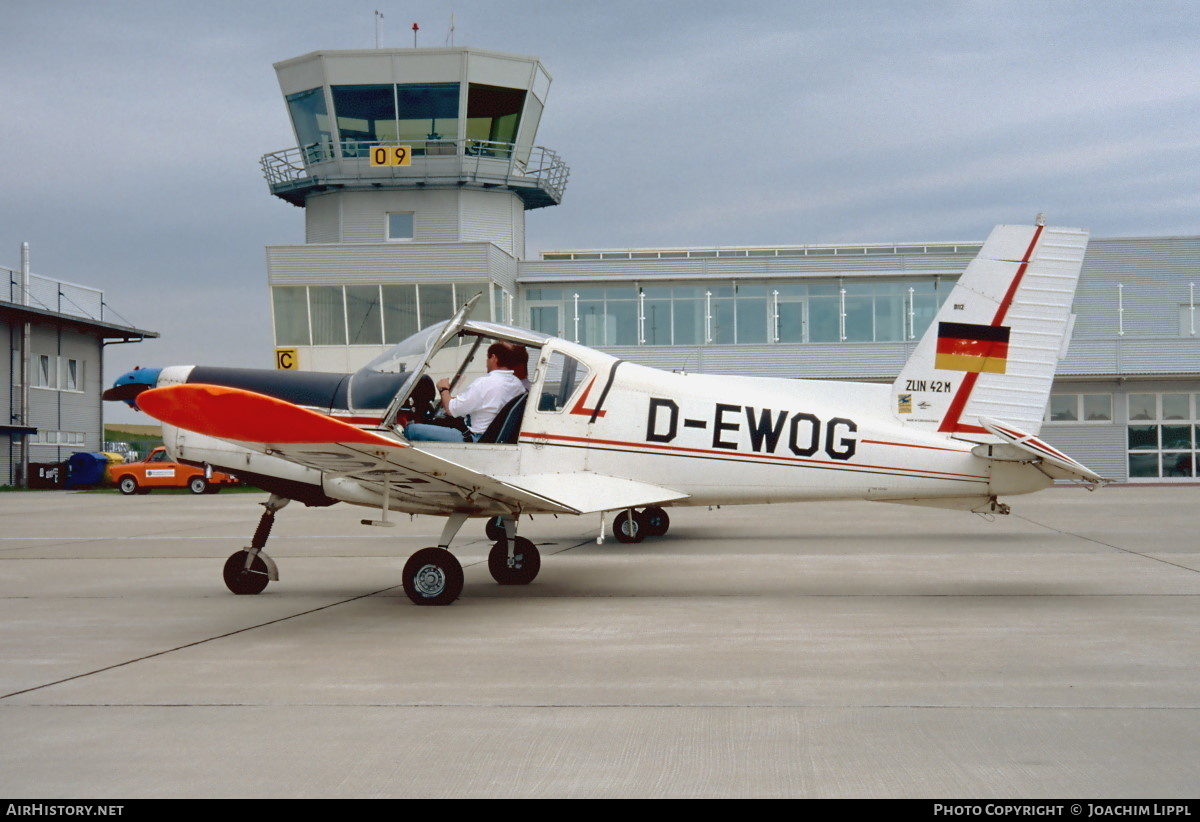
596 434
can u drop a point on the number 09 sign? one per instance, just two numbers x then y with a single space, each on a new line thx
391 156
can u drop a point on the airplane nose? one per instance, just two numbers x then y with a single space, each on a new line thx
127 386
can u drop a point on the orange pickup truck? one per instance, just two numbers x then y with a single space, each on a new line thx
157 471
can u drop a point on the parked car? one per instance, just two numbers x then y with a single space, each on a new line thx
158 471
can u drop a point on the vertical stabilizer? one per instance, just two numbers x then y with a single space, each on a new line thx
993 347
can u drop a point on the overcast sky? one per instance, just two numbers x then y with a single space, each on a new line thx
132 131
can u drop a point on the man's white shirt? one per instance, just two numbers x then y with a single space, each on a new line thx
484 398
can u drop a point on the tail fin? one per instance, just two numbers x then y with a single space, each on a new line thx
993 347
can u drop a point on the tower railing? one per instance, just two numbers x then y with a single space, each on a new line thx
484 161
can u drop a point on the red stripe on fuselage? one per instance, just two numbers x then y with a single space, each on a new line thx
704 453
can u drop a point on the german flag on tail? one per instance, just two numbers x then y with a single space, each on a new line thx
967 347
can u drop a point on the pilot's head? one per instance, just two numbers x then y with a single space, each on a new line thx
510 357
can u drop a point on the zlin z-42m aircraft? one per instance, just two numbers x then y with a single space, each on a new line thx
595 434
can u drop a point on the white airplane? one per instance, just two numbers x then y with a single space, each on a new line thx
957 429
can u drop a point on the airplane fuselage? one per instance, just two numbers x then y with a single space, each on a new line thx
720 440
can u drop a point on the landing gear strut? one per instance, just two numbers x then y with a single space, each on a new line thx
248 571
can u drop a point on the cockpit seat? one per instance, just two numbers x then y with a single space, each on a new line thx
506 427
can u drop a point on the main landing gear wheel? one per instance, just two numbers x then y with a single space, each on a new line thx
198 485
127 486
495 528
433 576
526 562
627 528
242 581
655 521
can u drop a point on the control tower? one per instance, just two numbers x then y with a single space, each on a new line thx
415 168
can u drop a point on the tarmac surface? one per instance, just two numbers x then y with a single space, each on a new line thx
820 650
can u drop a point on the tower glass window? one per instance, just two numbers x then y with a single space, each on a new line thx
493 115
310 118
365 113
427 112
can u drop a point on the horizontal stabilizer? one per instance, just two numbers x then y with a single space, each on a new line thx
588 493
1021 447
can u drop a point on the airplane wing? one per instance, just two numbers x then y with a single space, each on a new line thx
412 475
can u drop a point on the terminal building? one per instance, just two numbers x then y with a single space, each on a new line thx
416 167
52 380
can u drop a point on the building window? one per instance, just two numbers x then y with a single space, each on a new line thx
364 317
72 375
737 312
1076 408
328 311
290 307
43 372
1189 323
400 225
1163 436
367 314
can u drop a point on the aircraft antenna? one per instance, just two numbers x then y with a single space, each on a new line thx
378 17
450 34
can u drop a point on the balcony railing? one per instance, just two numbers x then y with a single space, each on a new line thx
488 163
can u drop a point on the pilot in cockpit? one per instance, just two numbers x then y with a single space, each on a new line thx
481 401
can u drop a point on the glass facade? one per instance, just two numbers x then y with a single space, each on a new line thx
742 312
367 314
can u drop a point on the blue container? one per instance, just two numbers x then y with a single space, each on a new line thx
85 468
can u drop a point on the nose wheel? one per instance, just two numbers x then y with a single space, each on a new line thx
248 571
246 580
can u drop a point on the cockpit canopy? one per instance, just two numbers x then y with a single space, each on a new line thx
448 347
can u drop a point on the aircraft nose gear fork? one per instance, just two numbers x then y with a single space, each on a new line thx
248 571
